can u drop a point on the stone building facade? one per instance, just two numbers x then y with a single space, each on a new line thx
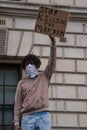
68 87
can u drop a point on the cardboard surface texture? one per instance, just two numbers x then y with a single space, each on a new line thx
51 22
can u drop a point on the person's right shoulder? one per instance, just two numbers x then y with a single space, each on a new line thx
20 82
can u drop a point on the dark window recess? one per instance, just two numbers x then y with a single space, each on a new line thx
2 22
9 77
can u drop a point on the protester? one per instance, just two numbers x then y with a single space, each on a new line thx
31 99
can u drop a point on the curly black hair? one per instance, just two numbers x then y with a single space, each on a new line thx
31 59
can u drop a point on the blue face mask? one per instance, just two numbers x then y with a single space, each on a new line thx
31 70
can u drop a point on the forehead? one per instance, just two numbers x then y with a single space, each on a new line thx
29 62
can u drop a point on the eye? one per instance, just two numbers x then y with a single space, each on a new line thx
26 64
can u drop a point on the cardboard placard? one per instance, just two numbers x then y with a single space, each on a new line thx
51 22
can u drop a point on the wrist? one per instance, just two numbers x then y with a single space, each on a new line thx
53 45
53 41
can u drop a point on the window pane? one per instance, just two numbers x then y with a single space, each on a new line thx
8 128
11 77
0 127
0 115
9 94
8 116
1 95
1 76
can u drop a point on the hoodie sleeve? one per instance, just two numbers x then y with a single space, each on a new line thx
17 105
51 62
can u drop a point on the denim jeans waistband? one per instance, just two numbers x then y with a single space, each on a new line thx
39 113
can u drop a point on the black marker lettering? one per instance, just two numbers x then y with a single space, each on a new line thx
54 31
55 12
57 20
46 10
57 32
46 18
63 22
40 16
41 9
39 28
50 11
61 34
51 25
45 23
49 31
44 29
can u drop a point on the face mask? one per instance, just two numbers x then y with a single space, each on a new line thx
31 70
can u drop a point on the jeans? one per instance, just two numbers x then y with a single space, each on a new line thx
36 122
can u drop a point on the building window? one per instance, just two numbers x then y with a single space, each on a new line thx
9 76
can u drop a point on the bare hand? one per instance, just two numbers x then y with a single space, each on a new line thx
17 127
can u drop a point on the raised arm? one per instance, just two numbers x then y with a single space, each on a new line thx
52 59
